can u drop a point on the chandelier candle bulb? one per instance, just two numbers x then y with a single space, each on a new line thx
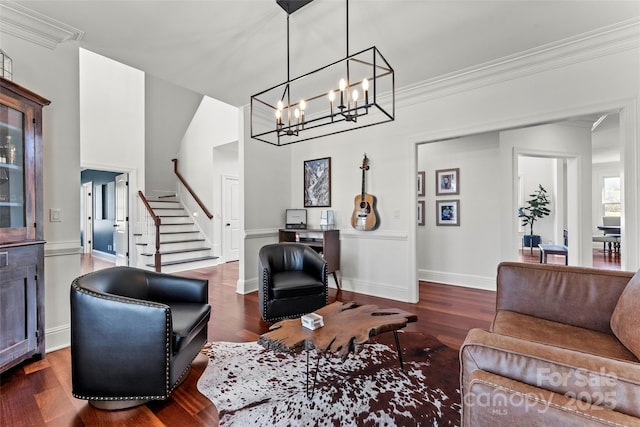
303 106
332 97
355 100
365 88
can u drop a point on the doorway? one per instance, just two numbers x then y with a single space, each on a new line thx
489 196
105 213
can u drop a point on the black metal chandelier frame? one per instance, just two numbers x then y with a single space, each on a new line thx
283 122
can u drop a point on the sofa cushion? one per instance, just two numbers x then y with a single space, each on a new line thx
625 321
560 335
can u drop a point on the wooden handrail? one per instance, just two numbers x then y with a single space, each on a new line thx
157 258
190 190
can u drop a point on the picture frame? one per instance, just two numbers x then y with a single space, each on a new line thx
420 212
317 183
448 212
421 178
447 181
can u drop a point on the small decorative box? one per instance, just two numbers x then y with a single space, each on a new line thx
312 321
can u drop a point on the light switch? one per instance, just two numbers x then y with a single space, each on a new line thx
55 215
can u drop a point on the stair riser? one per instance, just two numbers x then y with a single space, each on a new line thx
177 219
169 212
157 205
180 245
166 238
173 228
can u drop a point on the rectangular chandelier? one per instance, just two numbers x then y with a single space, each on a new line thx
352 93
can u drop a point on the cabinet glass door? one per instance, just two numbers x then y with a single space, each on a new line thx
12 166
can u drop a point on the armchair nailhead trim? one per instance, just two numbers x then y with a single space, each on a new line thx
167 311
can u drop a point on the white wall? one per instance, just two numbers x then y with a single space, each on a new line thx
54 75
570 81
112 125
454 248
214 123
169 110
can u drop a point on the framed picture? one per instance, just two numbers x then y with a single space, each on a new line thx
447 181
420 212
421 184
448 212
317 183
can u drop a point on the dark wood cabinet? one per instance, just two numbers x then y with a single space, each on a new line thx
21 225
325 242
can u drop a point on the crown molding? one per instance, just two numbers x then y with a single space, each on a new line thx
35 27
608 40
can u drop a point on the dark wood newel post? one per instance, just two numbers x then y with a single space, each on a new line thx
157 258
190 190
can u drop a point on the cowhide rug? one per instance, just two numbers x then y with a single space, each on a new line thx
250 385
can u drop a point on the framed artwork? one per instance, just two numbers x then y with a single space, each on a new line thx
421 184
420 212
447 181
448 212
317 183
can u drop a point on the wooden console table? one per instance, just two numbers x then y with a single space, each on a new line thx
325 242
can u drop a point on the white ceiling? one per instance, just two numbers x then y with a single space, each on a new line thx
232 49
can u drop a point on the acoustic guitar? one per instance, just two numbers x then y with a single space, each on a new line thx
364 214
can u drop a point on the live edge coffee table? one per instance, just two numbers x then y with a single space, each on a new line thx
347 326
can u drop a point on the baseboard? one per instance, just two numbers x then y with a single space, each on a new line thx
456 279
103 255
375 289
247 286
57 338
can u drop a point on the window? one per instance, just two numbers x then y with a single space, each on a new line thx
611 196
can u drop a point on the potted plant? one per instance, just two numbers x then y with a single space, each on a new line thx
534 209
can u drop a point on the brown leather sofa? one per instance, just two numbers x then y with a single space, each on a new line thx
563 349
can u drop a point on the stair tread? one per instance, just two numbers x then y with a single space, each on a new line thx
178 232
178 251
182 241
184 261
162 201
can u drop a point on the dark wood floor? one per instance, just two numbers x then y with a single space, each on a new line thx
39 393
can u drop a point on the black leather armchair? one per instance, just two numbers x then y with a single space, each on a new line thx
294 281
134 334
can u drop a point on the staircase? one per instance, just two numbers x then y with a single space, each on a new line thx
182 246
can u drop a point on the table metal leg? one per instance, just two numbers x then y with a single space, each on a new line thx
399 349
315 377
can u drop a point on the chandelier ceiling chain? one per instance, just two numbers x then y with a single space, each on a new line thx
309 113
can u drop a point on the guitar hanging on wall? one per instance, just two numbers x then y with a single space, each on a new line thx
364 214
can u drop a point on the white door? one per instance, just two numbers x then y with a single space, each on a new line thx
231 218
87 217
121 226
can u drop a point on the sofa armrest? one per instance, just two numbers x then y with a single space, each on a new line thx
577 296
114 339
169 288
610 383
